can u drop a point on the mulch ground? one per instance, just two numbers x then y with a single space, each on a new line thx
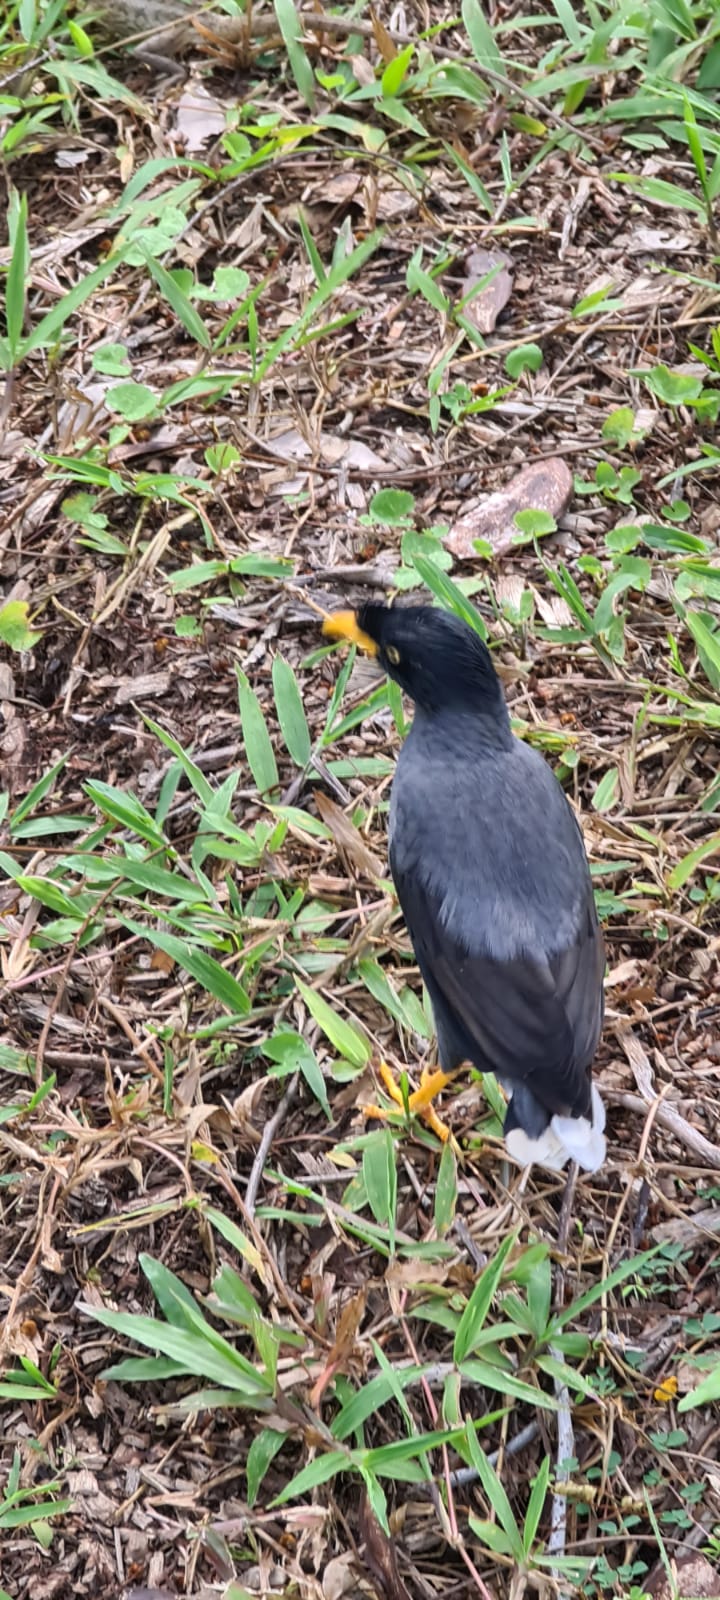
102 1169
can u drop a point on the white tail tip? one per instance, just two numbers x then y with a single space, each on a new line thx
565 1139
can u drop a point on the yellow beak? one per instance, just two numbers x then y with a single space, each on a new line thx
344 625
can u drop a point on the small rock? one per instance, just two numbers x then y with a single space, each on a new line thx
692 1576
543 486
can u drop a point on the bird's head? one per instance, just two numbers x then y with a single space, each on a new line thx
439 660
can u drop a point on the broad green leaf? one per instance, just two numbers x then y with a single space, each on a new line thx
145 1369
396 71
495 1493
146 875
344 1038
449 595
392 506
446 1189
708 646
51 895
380 1177
535 1504
705 1393
235 1236
490 1376
37 793
26 1516
476 1310
291 30
524 358
374 1394
291 712
173 1297
481 36
606 792
46 331
223 1365
195 777
133 401
674 388
477 188
690 863
293 1054
15 630
421 282
261 1454
258 744
657 189
492 1536
316 1472
572 1312
16 285
170 289
203 968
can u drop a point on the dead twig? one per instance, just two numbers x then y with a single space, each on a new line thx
666 1116
263 1149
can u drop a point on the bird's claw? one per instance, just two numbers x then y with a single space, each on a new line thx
419 1102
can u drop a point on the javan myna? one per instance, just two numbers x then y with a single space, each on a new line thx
492 877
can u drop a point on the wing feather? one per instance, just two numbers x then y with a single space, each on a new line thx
530 1019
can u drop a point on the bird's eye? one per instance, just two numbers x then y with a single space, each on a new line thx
393 655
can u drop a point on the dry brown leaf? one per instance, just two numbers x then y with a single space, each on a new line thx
411 1274
657 241
383 41
349 841
380 1555
337 1360
543 486
339 1577
199 117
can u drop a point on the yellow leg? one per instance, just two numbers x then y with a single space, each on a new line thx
419 1102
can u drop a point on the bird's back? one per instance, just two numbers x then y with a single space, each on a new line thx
494 840
493 879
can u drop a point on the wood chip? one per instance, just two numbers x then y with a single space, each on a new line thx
485 307
149 686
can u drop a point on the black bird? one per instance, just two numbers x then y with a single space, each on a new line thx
493 880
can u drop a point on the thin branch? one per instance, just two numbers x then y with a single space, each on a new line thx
263 1149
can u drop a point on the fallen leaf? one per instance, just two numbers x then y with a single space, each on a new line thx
414 1275
339 1576
199 117
554 611
343 1348
380 1555
329 447
543 486
349 841
657 241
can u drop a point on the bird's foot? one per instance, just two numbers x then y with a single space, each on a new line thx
419 1102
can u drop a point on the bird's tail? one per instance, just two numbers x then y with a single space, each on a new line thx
562 1139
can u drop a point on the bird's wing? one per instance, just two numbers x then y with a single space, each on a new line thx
530 1019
